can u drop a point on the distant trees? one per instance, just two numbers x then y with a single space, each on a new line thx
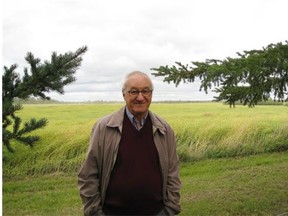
250 78
40 79
36 100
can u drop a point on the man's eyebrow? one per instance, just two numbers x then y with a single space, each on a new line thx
145 88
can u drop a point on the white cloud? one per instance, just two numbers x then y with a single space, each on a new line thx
128 35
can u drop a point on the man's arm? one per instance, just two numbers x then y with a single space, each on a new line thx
173 179
89 181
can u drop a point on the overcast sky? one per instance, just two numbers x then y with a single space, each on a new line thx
127 35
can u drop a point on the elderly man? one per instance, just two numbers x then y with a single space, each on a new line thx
132 167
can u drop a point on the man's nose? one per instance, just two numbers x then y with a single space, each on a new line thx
140 96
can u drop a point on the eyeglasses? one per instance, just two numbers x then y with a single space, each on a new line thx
137 92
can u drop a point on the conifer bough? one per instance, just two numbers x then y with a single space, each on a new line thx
252 77
38 80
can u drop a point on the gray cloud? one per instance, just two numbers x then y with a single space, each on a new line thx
128 35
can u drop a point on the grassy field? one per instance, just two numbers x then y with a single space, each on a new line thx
250 185
234 160
203 130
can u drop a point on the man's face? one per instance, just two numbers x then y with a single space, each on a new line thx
138 104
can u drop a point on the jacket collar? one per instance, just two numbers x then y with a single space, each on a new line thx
116 119
156 123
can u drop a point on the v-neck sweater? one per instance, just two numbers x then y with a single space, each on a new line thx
135 186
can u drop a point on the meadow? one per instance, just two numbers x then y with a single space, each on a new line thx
237 156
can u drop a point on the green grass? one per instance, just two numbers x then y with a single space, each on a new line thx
63 143
43 195
234 161
251 185
203 130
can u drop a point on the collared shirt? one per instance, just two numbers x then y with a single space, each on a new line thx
134 120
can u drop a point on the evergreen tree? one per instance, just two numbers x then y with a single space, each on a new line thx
249 78
39 80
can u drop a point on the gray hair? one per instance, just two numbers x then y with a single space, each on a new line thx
132 74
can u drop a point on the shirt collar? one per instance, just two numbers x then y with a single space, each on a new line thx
132 118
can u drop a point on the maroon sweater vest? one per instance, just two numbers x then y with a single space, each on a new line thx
135 186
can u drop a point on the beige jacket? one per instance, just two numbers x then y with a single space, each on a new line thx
94 175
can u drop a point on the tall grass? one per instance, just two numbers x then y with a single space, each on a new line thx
203 130
63 143
216 131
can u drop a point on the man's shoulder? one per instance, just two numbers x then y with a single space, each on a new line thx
111 119
157 117
159 121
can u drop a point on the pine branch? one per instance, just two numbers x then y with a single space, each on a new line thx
29 140
249 78
38 80
32 125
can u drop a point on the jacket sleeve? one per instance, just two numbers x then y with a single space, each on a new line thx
173 180
89 180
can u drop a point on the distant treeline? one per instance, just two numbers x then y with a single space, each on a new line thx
269 102
33 100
